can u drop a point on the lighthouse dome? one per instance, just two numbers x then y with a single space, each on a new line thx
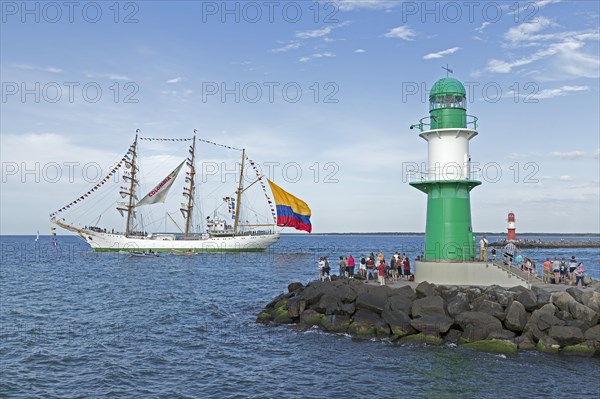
447 86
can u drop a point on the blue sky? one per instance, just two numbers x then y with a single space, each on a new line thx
363 68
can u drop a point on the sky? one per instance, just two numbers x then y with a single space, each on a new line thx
321 94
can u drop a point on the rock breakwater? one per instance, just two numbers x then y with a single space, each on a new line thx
491 318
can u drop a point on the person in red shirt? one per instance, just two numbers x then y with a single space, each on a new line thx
350 266
406 267
381 273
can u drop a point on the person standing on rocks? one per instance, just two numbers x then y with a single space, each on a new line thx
321 265
563 270
342 265
556 270
326 270
362 267
547 271
381 272
370 266
406 267
394 267
350 266
483 244
580 275
572 268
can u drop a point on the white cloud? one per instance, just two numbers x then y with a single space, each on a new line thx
53 69
175 80
558 92
312 34
483 26
360 51
326 54
563 178
563 51
441 54
568 155
287 47
110 76
28 67
526 31
401 32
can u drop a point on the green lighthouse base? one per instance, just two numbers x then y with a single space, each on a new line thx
448 233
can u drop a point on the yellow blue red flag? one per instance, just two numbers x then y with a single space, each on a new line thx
291 210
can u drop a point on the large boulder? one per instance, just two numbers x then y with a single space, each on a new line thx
528 299
593 334
524 342
345 293
295 307
473 293
542 293
566 302
311 318
459 304
371 300
347 309
548 344
427 306
313 292
591 299
328 304
398 321
477 326
401 300
516 317
491 308
294 287
576 293
505 298
336 323
448 292
368 324
432 324
565 335
425 289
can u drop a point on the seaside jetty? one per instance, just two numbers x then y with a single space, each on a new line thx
494 319
549 244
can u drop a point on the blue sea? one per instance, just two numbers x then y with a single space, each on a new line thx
76 324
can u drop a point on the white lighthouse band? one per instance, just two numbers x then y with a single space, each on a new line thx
448 153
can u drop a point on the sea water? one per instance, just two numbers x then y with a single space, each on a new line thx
79 324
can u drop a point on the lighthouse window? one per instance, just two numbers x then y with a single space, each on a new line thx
448 101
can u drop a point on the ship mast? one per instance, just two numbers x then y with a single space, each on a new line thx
239 194
190 203
131 186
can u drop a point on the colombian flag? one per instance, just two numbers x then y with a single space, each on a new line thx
291 211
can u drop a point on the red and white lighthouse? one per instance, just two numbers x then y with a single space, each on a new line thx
512 234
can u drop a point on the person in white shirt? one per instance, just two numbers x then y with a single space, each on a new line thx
483 244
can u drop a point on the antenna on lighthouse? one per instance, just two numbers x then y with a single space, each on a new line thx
448 70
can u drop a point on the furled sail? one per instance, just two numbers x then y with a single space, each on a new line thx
159 193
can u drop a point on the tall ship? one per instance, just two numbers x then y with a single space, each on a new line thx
225 228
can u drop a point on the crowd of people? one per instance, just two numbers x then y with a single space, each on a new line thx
562 271
555 271
370 268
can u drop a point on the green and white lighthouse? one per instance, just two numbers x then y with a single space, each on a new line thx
447 181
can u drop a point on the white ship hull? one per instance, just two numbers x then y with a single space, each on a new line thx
105 242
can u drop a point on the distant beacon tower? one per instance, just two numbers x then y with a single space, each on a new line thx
512 232
447 181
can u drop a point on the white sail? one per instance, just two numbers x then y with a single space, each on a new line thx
159 193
